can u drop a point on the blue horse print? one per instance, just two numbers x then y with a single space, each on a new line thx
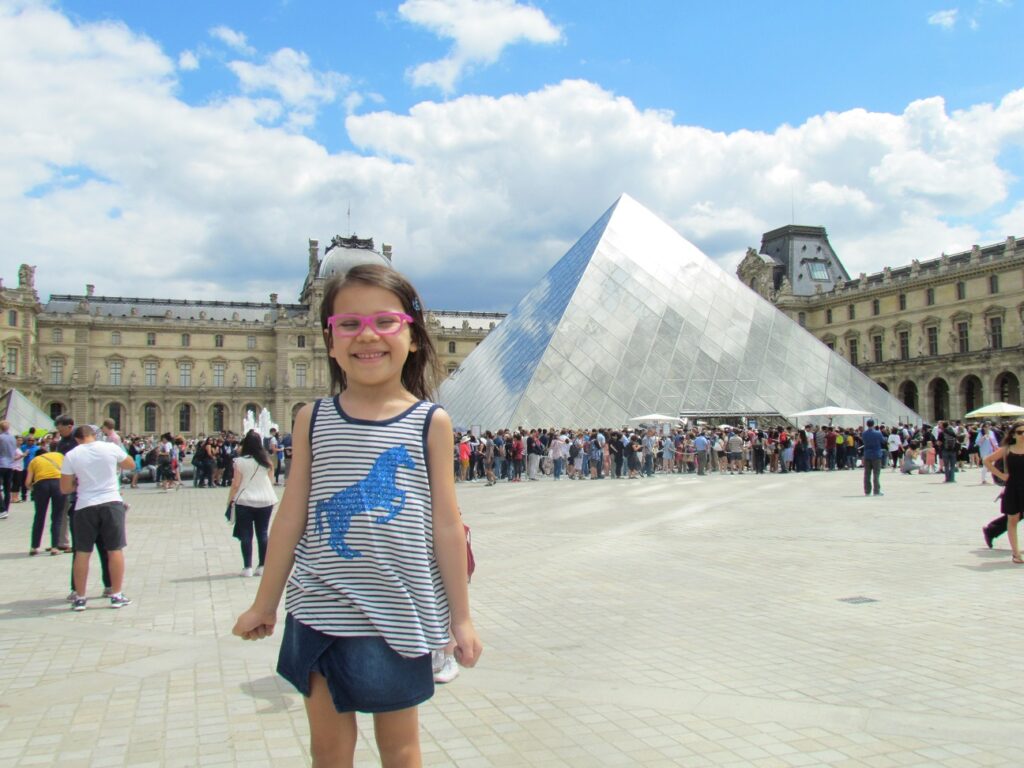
375 491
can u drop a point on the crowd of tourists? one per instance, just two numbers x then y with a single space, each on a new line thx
530 454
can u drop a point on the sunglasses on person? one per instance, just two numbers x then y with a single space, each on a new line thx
382 323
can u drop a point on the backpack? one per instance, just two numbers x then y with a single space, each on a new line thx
949 441
574 450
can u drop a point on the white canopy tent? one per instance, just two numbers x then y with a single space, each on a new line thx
995 410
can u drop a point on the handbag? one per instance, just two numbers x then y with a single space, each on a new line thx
229 513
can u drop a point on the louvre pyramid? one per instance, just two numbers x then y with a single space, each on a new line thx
634 319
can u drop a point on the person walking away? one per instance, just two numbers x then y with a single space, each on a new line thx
368 536
986 444
43 479
874 443
895 445
252 493
8 465
91 470
1012 474
950 450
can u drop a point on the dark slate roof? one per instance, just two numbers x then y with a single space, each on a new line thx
184 309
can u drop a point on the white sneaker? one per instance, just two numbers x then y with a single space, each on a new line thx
258 571
448 672
436 657
246 572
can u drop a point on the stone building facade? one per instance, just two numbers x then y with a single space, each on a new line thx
188 367
944 335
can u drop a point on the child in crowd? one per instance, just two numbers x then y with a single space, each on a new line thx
368 535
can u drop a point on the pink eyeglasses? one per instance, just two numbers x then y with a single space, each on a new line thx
382 323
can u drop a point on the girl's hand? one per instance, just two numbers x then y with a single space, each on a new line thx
255 624
467 644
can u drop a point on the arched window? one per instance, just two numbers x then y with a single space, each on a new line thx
451 347
185 418
56 409
217 414
149 411
115 411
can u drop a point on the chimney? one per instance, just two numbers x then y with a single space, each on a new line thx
386 249
273 299
90 289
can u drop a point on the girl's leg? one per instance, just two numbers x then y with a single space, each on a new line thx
398 738
1011 531
262 528
332 734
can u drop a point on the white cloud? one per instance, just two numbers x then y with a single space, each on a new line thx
107 177
188 61
480 31
945 19
233 39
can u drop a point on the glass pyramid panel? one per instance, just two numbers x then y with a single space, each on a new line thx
635 319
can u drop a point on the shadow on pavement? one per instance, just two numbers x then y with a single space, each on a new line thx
271 690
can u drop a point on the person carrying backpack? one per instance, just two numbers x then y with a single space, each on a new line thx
950 442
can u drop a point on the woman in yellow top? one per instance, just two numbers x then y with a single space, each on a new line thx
43 479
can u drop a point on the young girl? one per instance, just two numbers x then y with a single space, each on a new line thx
1012 453
370 524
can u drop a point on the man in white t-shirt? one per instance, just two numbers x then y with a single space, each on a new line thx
91 469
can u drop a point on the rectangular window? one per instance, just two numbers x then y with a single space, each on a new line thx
149 373
151 339
301 342
851 312
250 374
961 291
57 371
828 317
876 306
115 338
12 318
995 329
962 339
186 340
929 297
12 362
184 374
116 366
250 342
218 340
933 341
58 336
904 345
818 271
218 374
853 351
993 283
876 345
300 374
903 302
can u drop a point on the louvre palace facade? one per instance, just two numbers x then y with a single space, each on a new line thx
188 367
944 335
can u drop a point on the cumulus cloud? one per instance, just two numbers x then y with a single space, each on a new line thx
233 39
188 61
945 19
480 31
108 177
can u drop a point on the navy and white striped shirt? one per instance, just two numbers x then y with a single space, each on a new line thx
365 564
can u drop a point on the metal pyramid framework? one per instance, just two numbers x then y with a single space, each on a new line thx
634 319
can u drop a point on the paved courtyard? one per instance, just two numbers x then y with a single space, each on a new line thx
676 621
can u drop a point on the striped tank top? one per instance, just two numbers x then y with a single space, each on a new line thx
365 564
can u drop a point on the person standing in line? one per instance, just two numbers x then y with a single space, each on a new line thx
1012 474
43 479
91 471
700 447
252 493
950 442
986 444
875 444
895 445
65 443
534 451
8 464
368 536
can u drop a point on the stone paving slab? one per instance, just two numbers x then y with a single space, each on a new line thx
675 621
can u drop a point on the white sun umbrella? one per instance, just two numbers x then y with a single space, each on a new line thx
831 411
995 410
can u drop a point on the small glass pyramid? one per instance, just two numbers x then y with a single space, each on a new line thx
633 320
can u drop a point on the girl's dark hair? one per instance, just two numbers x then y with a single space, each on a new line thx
252 445
421 371
1008 435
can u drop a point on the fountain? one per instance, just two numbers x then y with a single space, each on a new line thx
262 423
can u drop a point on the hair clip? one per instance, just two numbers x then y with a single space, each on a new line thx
416 304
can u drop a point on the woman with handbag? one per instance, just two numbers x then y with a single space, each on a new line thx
1011 452
253 497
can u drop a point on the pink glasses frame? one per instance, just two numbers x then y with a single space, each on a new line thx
368 320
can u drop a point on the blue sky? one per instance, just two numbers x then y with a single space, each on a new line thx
469 132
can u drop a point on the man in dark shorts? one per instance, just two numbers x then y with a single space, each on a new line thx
91 469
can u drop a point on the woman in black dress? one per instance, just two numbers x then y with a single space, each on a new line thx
1012 453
